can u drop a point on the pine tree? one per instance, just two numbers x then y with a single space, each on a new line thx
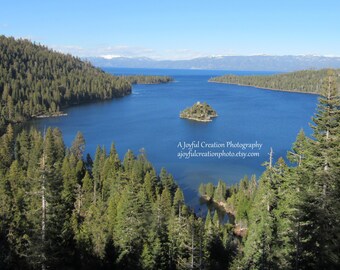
147 257
22 146
78 146
178 201
128 232
52 208
202 190
220 192
319 206
96 171
260 251
167 181
6 149
18 224
209 191
150 185
128 161
166 203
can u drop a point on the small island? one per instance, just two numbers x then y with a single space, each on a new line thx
201 112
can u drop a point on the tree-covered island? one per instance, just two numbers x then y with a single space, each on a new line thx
201 112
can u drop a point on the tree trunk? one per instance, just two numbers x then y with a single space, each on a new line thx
43 214
192 250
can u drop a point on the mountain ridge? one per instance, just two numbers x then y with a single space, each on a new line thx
250 63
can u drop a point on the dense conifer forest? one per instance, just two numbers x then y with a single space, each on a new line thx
151 79
290 219
62 210
35 80
306 81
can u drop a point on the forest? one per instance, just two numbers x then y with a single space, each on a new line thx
61 209
36 82
305 81
151 79
290 217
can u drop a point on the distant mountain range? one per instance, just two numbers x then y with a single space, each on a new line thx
251 63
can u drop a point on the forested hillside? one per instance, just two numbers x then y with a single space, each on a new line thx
292 215
306 81
35 80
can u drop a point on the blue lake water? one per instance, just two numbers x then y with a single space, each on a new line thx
149 119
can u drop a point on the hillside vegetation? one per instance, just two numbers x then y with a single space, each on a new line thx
35 80
150 79
289 218
60 209
306 81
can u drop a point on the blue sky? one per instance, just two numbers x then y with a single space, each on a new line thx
177 29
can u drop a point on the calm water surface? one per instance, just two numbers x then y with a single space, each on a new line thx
149 119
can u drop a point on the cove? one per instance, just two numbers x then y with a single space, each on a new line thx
149 119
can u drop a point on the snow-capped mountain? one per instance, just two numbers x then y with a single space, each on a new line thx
254 62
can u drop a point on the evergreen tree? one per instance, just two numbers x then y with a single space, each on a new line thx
202 190
209 191
178 201
319 203
220 192
78 146
129 228
260 247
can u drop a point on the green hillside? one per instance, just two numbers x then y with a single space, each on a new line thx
306 81
36 81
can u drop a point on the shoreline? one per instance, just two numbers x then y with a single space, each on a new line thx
49 115
152 83
221 204
198 120
267 88
84 102
238 229
195 119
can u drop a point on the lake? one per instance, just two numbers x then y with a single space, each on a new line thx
149 118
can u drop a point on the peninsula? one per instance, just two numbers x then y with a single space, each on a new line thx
303 81
201 112
150 79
